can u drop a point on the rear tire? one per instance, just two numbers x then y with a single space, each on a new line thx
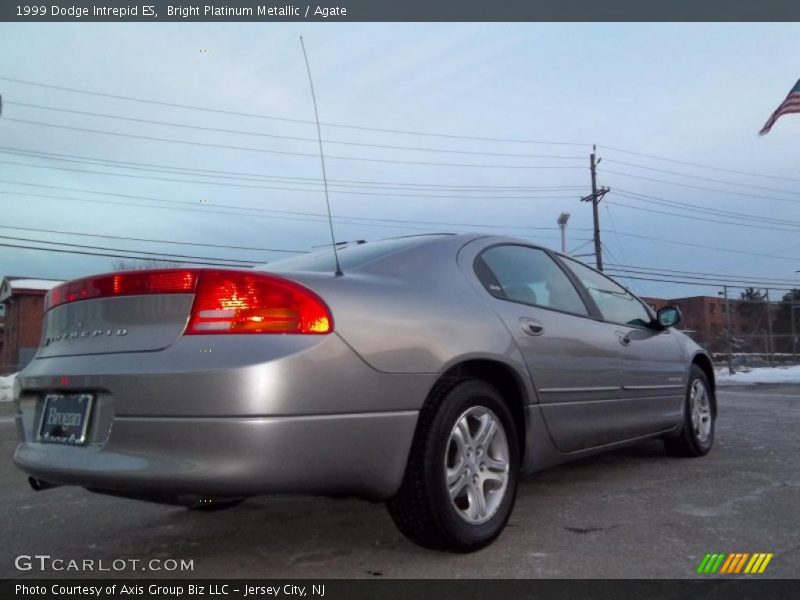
461 479
699 414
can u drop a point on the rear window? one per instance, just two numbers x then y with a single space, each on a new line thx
350 257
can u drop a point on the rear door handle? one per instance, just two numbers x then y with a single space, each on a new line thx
531 326
623 338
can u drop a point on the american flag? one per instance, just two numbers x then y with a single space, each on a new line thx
790 105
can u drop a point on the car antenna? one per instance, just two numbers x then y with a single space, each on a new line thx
338 271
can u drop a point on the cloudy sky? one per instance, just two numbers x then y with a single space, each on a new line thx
695 93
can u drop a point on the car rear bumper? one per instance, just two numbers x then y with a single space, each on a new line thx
299 416
360 454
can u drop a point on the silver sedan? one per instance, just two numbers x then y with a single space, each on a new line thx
431 374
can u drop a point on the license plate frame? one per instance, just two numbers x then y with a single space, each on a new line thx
74 433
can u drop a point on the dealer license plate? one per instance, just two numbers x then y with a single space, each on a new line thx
65 418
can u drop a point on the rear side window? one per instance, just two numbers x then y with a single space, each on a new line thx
350 257
529 276
616 303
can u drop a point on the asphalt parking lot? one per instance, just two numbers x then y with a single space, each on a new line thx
631 513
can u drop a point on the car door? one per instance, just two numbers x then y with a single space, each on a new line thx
572 355
653 364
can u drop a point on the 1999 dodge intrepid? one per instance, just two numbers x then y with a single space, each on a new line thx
433 373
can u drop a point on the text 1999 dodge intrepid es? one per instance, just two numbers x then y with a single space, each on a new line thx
431 374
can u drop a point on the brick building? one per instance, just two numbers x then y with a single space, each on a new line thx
22 300
704 318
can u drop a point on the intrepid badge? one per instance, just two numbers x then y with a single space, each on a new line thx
85 333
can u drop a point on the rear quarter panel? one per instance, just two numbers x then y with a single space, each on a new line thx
415 312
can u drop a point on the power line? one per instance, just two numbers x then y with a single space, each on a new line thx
700 276
696 218
274 188
614 229
148 240
280 178
706 247
698 187
341 218
163 258
293 215
231 261
695 283
704 209
322 216
610 253
254 212
754 260
681 174
286 137
700 165
168 258
282 152
286 119
663 271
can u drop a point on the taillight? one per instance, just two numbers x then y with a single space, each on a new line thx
225 301
243 302
129 283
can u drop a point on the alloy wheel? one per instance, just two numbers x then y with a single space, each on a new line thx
477 465
700 407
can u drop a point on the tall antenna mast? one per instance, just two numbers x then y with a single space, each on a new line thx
322 159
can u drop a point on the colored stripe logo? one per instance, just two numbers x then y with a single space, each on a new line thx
734 564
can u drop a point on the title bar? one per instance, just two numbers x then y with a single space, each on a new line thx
402 11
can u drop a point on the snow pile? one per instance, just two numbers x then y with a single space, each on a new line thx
7 388
35 284
761 375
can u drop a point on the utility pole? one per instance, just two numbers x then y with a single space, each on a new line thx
728 328
594 198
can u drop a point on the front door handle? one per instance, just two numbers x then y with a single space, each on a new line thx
531 326
623 338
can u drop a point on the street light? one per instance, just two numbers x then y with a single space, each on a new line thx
562 223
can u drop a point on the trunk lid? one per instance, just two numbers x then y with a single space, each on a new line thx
117 324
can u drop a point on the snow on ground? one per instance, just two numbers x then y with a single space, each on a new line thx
7 388
760 375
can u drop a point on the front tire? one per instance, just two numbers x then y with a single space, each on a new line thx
699 414
461 479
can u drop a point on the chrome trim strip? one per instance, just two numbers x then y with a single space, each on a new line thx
605 400
259 418
653 387
579 389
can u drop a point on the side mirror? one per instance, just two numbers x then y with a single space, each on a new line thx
669 316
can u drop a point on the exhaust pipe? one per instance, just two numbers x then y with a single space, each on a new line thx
39 485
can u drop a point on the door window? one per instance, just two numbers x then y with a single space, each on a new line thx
529 276
616 303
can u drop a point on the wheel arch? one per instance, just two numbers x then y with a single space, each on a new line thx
703 361
503 377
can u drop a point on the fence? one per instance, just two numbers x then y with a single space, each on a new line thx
759 327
